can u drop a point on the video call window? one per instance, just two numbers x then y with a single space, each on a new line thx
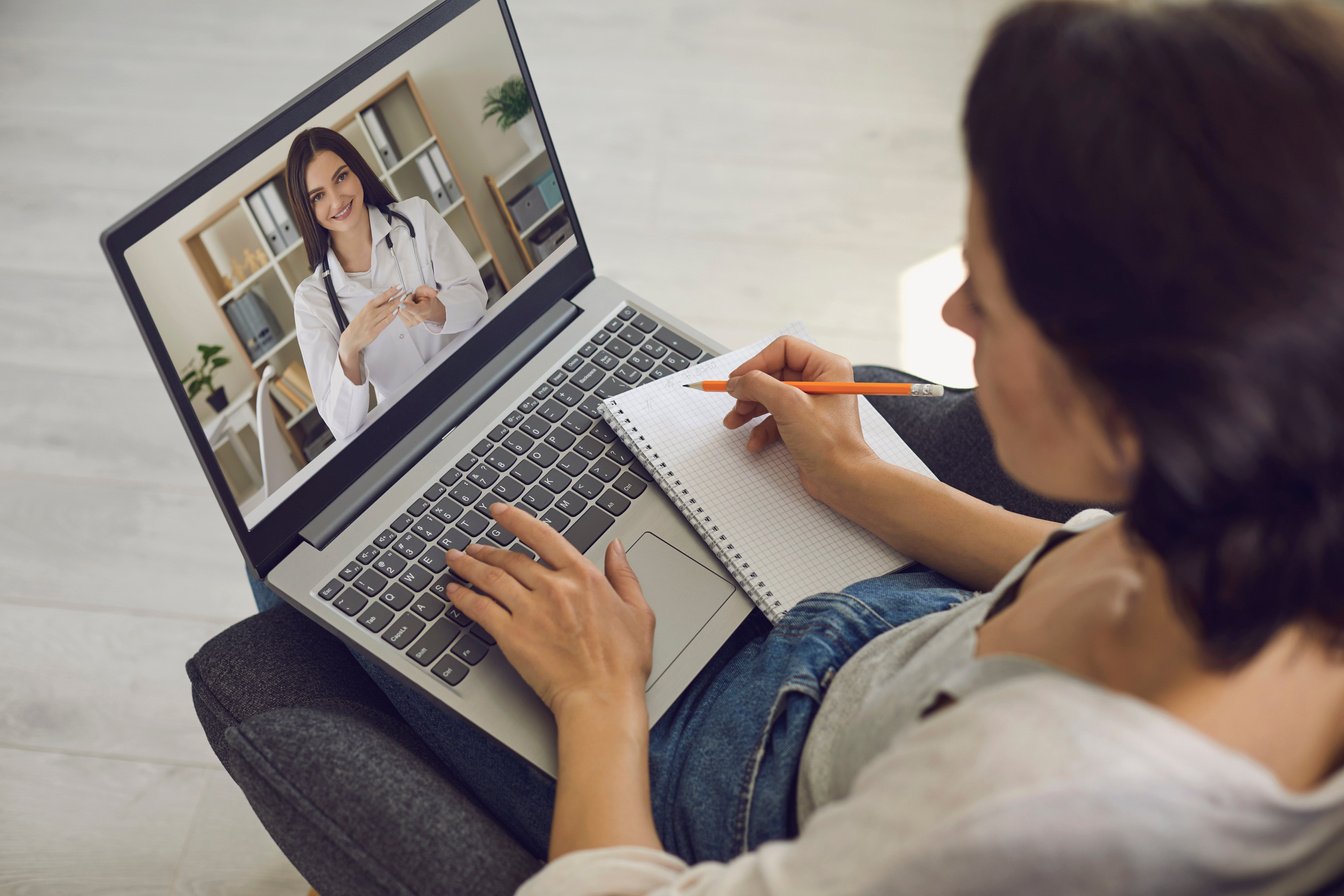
430 218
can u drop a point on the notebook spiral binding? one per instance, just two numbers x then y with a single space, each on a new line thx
695 513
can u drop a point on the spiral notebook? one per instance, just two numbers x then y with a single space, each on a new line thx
778 542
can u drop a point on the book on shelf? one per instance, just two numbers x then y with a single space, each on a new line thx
254 322
292 402
296 377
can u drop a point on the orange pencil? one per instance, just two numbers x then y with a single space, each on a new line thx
930 390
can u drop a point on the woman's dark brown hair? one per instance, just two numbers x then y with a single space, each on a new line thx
1165 186
307 144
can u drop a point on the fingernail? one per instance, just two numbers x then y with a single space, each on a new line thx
454 553
498 507
620 548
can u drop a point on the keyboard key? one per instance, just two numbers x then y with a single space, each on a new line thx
677 343
553 411
602 432
519 548
568 396
508 489
515 417
350 602
571 464
658 373
526 472
434 492
555 480
631 335
447 510
482 634
450 478
654 350
401 523
376 617
409 546
573 364
390 564
589 448
611 386
587 486
592 406
518 443
612 502
627 374
587 349
330 590
473 523
645 323
629 485
619 348
482 448
498 433
605 469
588 377
470 649
428 606
638 469
404 630
543 455
370 582
614 325
606 361
465 462
620 454
483 476
501 459
434 560
453 540
601 337
416 578
397 596
560 439
626 313
556 519
499 535
571 503
543 391
428 528
577 422
675 362
535 427
386 538
588 528
450 671
368 555
465 493
538 498
440 587
433 642
419 507
457 616
640 362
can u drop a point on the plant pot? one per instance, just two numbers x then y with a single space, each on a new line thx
217 400
530 132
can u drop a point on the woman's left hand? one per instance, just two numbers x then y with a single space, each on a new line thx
573 633
423 307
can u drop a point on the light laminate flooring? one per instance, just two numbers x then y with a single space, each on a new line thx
743 163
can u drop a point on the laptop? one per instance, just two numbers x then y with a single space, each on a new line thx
351 530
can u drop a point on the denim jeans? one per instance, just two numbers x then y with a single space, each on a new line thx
724 759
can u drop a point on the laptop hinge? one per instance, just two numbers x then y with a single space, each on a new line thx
324 527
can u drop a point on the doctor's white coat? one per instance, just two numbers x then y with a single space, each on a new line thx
399 351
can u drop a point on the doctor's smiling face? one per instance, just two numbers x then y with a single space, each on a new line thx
335 194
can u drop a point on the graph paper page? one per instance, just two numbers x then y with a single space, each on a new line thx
795 545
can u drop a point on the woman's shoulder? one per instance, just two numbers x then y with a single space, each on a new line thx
417 205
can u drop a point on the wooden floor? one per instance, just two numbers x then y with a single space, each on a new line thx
741 162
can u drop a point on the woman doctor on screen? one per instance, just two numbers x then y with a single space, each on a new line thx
391 283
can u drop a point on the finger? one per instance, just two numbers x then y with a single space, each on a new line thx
479 608
526 571
425 291
621 576
763 389
548 544
491 579
763 436
743 412
790 357
390 293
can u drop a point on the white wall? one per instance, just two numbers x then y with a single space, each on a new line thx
453 70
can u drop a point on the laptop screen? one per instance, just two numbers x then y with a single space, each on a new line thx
314 273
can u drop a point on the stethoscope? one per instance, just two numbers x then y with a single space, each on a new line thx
341 320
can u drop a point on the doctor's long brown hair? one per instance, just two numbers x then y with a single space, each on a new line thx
316 238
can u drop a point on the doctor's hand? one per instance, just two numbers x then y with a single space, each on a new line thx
574 634
371 320
821 432
423 307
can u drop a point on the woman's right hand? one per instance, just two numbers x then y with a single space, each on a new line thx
371 320
822 432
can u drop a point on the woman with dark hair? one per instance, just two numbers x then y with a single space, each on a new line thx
1144 702
391 286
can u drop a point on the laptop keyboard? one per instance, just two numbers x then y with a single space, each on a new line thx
553 456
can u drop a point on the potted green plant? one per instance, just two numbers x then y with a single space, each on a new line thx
510 104
200 376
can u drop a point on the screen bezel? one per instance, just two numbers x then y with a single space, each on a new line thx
277 533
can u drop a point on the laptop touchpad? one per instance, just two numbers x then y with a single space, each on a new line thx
684 595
